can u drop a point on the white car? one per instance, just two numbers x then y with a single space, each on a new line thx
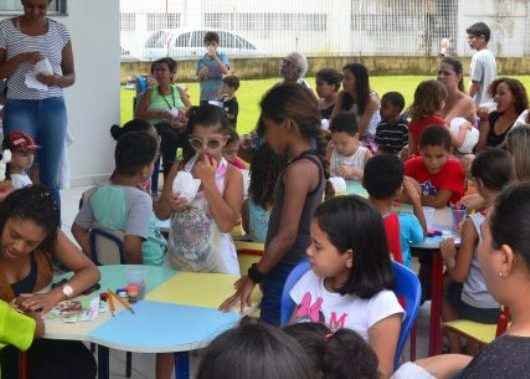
189 44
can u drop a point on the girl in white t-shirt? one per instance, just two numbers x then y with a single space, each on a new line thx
351 277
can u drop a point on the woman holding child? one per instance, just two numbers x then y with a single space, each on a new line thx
357 97
457 103
30 240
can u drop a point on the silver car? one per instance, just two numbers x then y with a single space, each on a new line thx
189 44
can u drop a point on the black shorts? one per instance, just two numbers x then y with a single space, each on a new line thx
468 312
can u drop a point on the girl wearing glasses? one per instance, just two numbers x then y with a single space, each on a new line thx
199 238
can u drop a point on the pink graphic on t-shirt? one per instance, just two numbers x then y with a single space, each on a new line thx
336 324
306 310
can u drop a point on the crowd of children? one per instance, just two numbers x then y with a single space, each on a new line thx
440 152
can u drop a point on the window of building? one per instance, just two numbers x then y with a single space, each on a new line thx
157 21
128 22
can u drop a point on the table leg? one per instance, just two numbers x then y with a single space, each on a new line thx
435 340
103 362
23 365
182 365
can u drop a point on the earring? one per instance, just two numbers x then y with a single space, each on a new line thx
500 274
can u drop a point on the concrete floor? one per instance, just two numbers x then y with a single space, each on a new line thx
144 364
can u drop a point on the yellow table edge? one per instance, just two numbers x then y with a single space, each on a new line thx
482 333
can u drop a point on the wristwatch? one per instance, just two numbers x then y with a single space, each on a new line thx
68 291
255 275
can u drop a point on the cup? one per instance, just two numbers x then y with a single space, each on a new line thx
136 277
458 217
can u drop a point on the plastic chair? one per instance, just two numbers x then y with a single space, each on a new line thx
106 248
479 332
406 286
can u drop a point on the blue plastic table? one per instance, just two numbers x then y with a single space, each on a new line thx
177 315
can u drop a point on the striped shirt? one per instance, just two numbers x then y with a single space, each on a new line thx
392 137
49 45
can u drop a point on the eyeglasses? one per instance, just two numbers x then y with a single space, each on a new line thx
198 144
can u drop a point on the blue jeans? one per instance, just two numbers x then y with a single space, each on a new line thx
272 288
45 120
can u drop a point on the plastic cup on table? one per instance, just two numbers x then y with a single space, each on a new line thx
458 217
136 279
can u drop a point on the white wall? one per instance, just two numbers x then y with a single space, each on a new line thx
93 102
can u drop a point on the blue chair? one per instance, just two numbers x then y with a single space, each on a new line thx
406 287
106 248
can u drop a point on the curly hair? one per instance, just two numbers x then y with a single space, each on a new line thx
34 203
265 169
428 99
516 88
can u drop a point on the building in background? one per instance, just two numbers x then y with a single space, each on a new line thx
320 27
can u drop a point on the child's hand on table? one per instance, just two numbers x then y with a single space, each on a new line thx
244 287
349 172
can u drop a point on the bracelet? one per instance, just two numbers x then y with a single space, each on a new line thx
255 275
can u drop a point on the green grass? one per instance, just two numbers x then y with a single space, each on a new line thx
251 91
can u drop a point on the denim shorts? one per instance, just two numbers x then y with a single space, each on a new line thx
468 312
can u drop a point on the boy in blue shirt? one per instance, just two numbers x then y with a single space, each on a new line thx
211 68
384 181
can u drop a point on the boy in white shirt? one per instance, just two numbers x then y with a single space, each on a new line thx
483 70
23 148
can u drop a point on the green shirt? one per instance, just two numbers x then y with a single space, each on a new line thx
159 102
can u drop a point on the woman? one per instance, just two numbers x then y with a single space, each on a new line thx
357 97
164 105
511 99
30 240
24 41
518 144
504 255
458 103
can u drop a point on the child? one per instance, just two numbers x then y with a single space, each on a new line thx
346 355
348 157
257 351
231 150
440 176
328 82
429 100
211 68
199 239
265 168
351 277
383 179
229 99
483 69
492 170
392 133
122 206
139 125
291 126
23 148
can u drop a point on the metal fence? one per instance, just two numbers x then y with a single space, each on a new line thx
156 28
